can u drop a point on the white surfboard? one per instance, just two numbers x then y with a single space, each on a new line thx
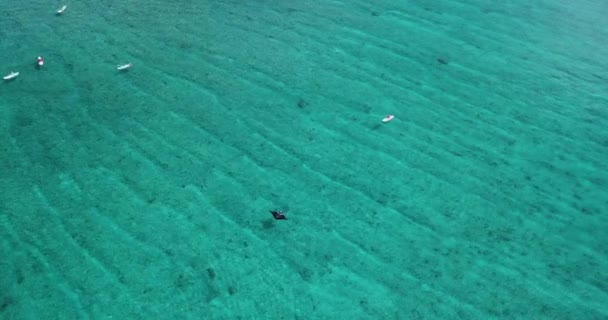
124 66
388 118
11 75
60 11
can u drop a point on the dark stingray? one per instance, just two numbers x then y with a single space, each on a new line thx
278 215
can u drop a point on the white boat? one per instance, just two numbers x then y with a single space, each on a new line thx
11 75
124 66
60 11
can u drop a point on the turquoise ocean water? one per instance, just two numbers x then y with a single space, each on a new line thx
145 194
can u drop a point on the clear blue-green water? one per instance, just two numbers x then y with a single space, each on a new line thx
145 194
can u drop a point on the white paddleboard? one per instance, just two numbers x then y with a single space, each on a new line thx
11 75
388 118
124 66
60 11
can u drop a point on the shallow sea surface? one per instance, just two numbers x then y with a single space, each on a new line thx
145 194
